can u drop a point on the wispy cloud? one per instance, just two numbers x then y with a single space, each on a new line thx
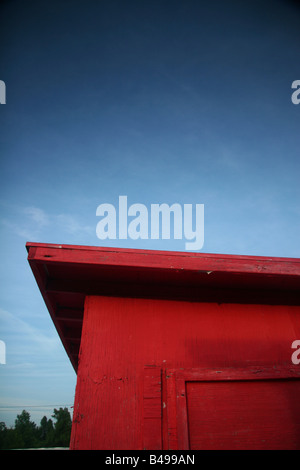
71 225
21 231
37 216
20 332
35 223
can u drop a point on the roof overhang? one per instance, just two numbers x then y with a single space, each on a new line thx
66 274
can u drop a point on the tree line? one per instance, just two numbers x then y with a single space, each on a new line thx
27 434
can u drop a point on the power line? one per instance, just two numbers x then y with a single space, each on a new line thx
9 407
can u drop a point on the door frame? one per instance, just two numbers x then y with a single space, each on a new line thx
176 379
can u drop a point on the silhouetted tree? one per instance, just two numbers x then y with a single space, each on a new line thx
26 430
26 434
62 427
46 432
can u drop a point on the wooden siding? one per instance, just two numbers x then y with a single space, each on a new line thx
128 344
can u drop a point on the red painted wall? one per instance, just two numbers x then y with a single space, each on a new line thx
123 397
260 414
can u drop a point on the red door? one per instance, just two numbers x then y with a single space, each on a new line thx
236 409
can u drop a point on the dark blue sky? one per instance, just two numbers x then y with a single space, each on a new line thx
162 101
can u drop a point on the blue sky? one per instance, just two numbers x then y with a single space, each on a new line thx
163 101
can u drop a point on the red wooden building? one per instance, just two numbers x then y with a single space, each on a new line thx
176 350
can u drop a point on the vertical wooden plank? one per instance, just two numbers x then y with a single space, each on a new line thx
172 442
182 417
152 407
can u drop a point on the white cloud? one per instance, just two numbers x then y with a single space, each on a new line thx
37 215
